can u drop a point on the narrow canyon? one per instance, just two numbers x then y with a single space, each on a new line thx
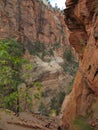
48 65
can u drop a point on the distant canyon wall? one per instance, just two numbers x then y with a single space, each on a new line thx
30 21
42 31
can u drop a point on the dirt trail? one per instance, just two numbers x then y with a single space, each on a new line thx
26 121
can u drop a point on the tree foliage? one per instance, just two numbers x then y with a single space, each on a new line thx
68 55
56 102
11 60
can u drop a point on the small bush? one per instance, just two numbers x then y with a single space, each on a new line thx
70 68
68 55
69 89
51 52
40 50
96 7
11 101
56 45
81 124
37 48
56 102
43 109
38 93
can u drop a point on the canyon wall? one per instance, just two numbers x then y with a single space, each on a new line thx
42 31
81 17
31 21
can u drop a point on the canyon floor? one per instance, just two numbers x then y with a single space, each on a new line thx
26 121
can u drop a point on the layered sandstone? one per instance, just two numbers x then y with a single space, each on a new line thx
81 17
31 21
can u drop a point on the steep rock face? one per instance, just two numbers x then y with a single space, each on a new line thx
31 21
81 17
42 30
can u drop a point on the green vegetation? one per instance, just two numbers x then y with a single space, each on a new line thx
69 89
56 45
82 124
56 102
37 48
43 109
70 65
68 55
96 7
51 52
11 64
10 101
40 50
82 42
11 60
38 93
45 93
28 100
70 68
83 49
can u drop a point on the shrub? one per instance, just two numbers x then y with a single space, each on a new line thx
37 48
56 45
56 102
96 7
43 109
10 101
68 55
70 68
38 93
70 64
81 124
51 52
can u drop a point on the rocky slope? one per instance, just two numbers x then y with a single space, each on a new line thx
26 121
81 106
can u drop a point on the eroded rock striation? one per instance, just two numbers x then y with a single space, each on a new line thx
31 21
81 17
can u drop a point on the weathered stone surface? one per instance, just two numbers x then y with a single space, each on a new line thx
30 21
52 77
81 18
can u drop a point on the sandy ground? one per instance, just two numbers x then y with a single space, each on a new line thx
26 121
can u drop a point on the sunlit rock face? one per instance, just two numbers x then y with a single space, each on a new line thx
30 21
45 2
81 17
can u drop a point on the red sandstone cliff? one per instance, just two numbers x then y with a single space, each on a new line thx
81 17
30 21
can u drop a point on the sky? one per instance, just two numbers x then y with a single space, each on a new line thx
60 3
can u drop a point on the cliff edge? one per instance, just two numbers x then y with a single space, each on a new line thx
81 106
